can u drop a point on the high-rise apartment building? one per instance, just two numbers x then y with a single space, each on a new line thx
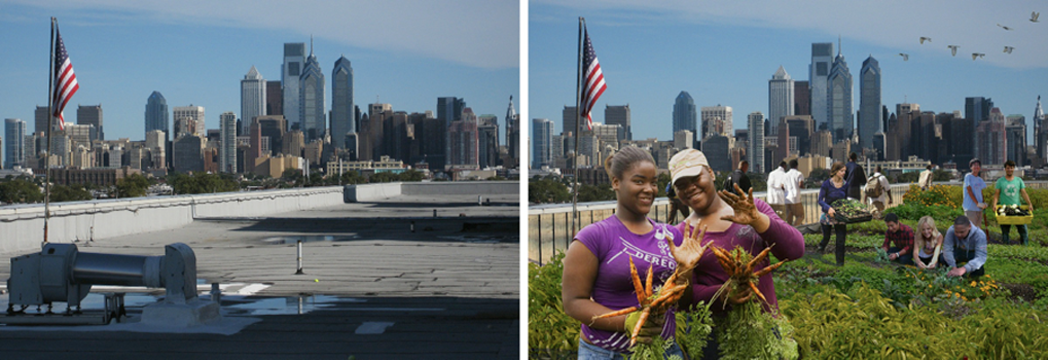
780 97
157 115
188 120
252 100
14 148
40 117
227 154
1015 131
463 142
716 120
488 141
801 98
755 148
91 115
818 75
274 98
189 153
991 139
619 115
450 108
542 140
294 61
869 102
312 115
839 112
568 121
685 116
342 113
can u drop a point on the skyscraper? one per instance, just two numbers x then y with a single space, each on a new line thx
869 102
342 102
312 115
252 100
450 108
839 99
274 98
512 131
801 98
227 155
542 139
716 120
188 120
463 142
40 117
818 74
1040 130
91 115
977 108
157 116
294 57
568 121
780 97
14 147
755 150
685 116
488 141
619 115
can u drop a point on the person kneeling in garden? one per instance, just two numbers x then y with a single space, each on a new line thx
964 242
902 236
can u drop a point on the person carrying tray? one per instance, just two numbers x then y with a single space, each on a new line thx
1008 190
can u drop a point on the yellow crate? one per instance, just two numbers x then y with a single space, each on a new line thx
1014 220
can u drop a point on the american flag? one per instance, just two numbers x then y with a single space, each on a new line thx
65 80
594 83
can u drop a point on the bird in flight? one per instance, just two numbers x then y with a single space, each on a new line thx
1004 27
977 55
905 57
925 38
953 49
1008 49
1034 16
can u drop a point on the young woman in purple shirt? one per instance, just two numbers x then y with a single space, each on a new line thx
597 276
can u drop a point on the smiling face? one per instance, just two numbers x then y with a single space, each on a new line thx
892 226
1009 171
975 168
638 187
927 230
697 192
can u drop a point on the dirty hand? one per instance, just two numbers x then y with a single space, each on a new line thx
745 209
690 250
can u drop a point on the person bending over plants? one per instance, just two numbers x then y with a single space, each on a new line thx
927 244
965 243
902 236
732 222
597 277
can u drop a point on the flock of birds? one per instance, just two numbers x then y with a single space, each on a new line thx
953 48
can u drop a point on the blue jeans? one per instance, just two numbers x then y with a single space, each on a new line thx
589 351
1005 229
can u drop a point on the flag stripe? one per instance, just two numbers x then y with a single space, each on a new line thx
595 85
65 80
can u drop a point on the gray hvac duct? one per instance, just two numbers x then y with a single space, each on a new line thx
61 273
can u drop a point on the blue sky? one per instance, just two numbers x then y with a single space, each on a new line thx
406 53
725 53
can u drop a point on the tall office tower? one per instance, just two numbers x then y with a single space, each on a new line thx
463 142
14 149
40 117
685 116
619 115
568 121
81 134
839 112
512 131
716 120
252 99
977 108
801 98
991 140
903 131
342 102
869 102
542 143
311 111
780 97
272 127
157 116
274 98
378 114
755 150
294 60
227 154
188 120
91 115
450 109
1015 130
189 153
398 137
1040 130
156 143
818 75
488 141
717 148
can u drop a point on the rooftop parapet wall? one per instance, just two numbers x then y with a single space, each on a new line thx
378 192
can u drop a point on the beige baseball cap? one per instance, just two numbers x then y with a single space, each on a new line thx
687 162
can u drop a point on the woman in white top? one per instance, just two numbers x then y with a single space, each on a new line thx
928 242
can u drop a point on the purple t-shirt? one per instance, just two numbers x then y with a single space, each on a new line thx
614 245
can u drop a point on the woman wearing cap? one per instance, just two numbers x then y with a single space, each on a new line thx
731 221
833 189
597 276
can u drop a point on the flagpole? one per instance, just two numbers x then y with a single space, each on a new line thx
50 124
575 162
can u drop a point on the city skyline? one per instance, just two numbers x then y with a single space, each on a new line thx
725 54
124 51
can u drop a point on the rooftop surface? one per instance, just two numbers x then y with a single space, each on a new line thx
372 288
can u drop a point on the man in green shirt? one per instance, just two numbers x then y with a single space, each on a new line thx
1008 190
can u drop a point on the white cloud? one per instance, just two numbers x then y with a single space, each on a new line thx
971 24
476 33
